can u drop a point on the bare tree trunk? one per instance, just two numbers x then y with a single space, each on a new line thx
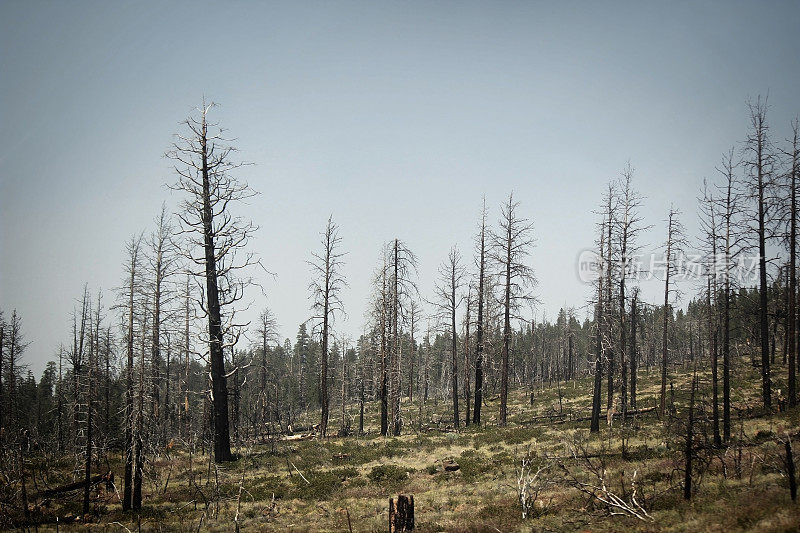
674 237
219 386
633 356
384 393
758 145
88 451
454 340
598 359
395 361
138 456
2 358
689 452
476 413
467 419
712 330
792 311
133 255
451 274
610 304
203 164
506 332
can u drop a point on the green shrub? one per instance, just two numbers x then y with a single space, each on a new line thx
322 484
388 474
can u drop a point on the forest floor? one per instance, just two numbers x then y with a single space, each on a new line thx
344 483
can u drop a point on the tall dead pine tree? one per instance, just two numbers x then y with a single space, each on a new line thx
481 260
759 161
791 182
732 244
629 226
129 295
215 249
672 247
325 288
451 275
511 245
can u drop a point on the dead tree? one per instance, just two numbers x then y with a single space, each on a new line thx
344 426
188 315
326 286
163 265
267 333
759 161
401 514
612 202
77 359
733 243
2 359
402 264
16 347
381 312
139 422
479 326
672 247
448 299
588 473
413 316
467 366
603 271
628 227
790 468
633 358
792 182
511 246
94 353
216 239
689 448
130 292
709 222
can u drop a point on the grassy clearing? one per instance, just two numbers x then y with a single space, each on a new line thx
317 484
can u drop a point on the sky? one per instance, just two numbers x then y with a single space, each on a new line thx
397 118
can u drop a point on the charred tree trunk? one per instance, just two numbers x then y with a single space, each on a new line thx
219 385
127 497
688 451
401 514
598 358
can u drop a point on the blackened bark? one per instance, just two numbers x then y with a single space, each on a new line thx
219 386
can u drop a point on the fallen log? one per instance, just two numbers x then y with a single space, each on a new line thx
564 418
616 415
308 436
108 476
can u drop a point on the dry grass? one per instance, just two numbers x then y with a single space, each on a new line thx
481 495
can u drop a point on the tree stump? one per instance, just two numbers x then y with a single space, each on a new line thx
401 514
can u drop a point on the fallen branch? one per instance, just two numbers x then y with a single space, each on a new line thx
108 476
301 474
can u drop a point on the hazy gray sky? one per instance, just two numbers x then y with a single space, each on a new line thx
394 116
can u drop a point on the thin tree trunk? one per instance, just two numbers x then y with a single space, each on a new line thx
476 413
633 356
506 332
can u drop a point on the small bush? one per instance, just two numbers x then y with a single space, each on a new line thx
321 485
387 474
473 465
